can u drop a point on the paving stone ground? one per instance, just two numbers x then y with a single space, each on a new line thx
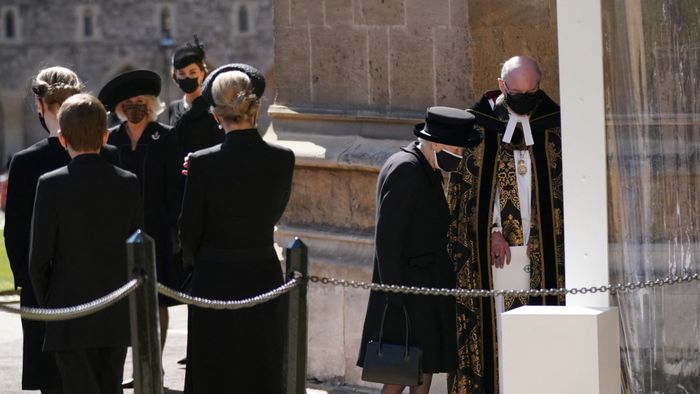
11 356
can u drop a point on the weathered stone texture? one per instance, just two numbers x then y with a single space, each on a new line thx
452 64
293 77
411 70
459 15
339 66
281 13
378 62
381 12
307 12
527 28
340 199
508 13
419 16
128 37
338 12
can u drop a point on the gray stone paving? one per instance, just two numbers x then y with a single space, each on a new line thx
11 357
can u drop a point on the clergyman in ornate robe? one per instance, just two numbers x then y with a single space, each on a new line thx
485 193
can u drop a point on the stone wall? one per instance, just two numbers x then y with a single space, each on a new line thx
372 56
501 29
127 35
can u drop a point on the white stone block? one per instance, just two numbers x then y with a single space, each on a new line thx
561 349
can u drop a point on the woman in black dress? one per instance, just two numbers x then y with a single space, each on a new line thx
235 194
144 149
194 127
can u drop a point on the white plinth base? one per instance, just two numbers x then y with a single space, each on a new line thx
561 349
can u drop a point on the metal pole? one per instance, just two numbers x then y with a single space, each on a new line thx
143 312
296 257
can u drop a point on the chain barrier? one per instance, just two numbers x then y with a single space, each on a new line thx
612 289
56 314
233 304
73 312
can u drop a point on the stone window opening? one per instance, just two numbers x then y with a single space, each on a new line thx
11 25
166 22
87 23
243 19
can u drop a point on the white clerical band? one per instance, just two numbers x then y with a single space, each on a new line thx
513 120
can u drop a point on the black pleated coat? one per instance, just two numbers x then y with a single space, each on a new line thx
235 194
411 250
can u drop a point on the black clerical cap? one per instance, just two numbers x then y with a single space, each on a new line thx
127 85
256 78
188 54
449 126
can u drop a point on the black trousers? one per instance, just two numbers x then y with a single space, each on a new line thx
92 371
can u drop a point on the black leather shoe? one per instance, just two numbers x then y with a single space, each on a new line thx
128 383
182 361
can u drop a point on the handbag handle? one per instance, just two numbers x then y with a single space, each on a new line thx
381 329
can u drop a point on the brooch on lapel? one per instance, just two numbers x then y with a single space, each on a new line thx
155 136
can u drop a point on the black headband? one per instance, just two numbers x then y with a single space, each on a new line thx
256 79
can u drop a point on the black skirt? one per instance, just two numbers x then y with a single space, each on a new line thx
236 351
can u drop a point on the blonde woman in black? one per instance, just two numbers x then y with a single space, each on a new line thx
235 194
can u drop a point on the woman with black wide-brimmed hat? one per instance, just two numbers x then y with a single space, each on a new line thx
234 195
144 149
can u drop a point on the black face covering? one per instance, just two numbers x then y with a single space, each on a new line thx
43 122
188 85
523 103
135 112
447 161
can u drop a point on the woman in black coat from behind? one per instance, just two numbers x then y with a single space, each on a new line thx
235 194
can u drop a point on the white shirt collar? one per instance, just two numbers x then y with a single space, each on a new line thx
513 120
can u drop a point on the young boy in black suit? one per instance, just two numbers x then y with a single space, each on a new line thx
83 214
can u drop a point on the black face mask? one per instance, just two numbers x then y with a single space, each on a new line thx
447 161
135 112
43 122
188 85
523 103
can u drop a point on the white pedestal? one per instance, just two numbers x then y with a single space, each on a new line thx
561 349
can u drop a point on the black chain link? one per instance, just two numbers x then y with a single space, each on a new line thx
481 293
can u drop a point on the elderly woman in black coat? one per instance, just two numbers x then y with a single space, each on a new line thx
235 193
411 244
144 149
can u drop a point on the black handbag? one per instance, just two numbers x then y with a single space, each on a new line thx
391 363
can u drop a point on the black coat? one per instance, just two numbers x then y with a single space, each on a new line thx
25 169
83 214
411 250
235 194
150 163
38 368
193 129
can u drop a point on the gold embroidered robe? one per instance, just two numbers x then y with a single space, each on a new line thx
471 199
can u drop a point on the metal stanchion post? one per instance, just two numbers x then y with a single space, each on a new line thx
296 257
143 312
